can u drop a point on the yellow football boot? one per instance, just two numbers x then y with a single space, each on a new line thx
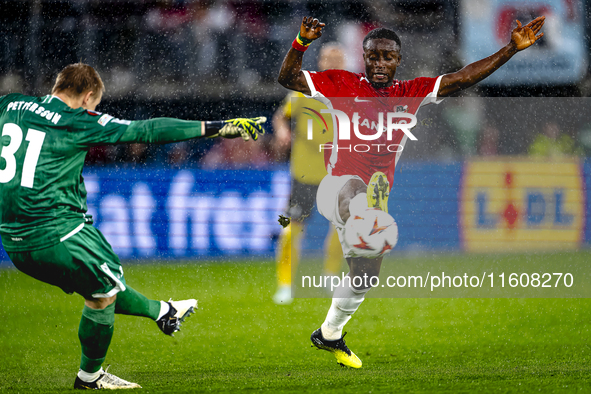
342 353
378 191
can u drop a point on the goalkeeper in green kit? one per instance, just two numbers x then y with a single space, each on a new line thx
43 222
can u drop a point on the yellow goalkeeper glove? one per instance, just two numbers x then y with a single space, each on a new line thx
243 127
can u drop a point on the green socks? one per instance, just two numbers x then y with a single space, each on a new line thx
96 326
130 302
95 333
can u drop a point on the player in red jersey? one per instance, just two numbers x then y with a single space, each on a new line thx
361 168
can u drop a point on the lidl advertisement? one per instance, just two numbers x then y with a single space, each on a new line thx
516 206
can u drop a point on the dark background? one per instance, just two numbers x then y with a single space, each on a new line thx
209 59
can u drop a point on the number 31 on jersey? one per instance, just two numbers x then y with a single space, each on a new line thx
35 138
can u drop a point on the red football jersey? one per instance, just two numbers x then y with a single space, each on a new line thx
356 152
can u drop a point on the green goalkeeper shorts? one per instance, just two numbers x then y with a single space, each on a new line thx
84 263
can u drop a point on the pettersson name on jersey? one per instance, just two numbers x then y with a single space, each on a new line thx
35 108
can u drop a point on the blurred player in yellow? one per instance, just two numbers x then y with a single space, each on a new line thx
307 170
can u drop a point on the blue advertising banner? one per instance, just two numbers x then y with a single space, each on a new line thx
194 214
187 213
424 203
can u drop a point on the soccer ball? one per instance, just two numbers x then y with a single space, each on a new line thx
371 234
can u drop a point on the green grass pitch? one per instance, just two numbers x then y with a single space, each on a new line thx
240 341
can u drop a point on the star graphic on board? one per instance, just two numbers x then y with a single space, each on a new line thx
511 215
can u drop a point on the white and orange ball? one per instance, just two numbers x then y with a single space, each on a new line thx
371 234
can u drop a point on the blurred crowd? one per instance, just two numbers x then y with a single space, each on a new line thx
231 50
159 43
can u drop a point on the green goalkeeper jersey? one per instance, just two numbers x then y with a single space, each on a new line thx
43 144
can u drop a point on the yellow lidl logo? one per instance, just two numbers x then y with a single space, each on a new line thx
521 206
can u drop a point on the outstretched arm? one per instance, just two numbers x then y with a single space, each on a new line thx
167 130
522 37
291 75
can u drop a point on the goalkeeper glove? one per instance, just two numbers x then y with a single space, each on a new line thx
239 127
